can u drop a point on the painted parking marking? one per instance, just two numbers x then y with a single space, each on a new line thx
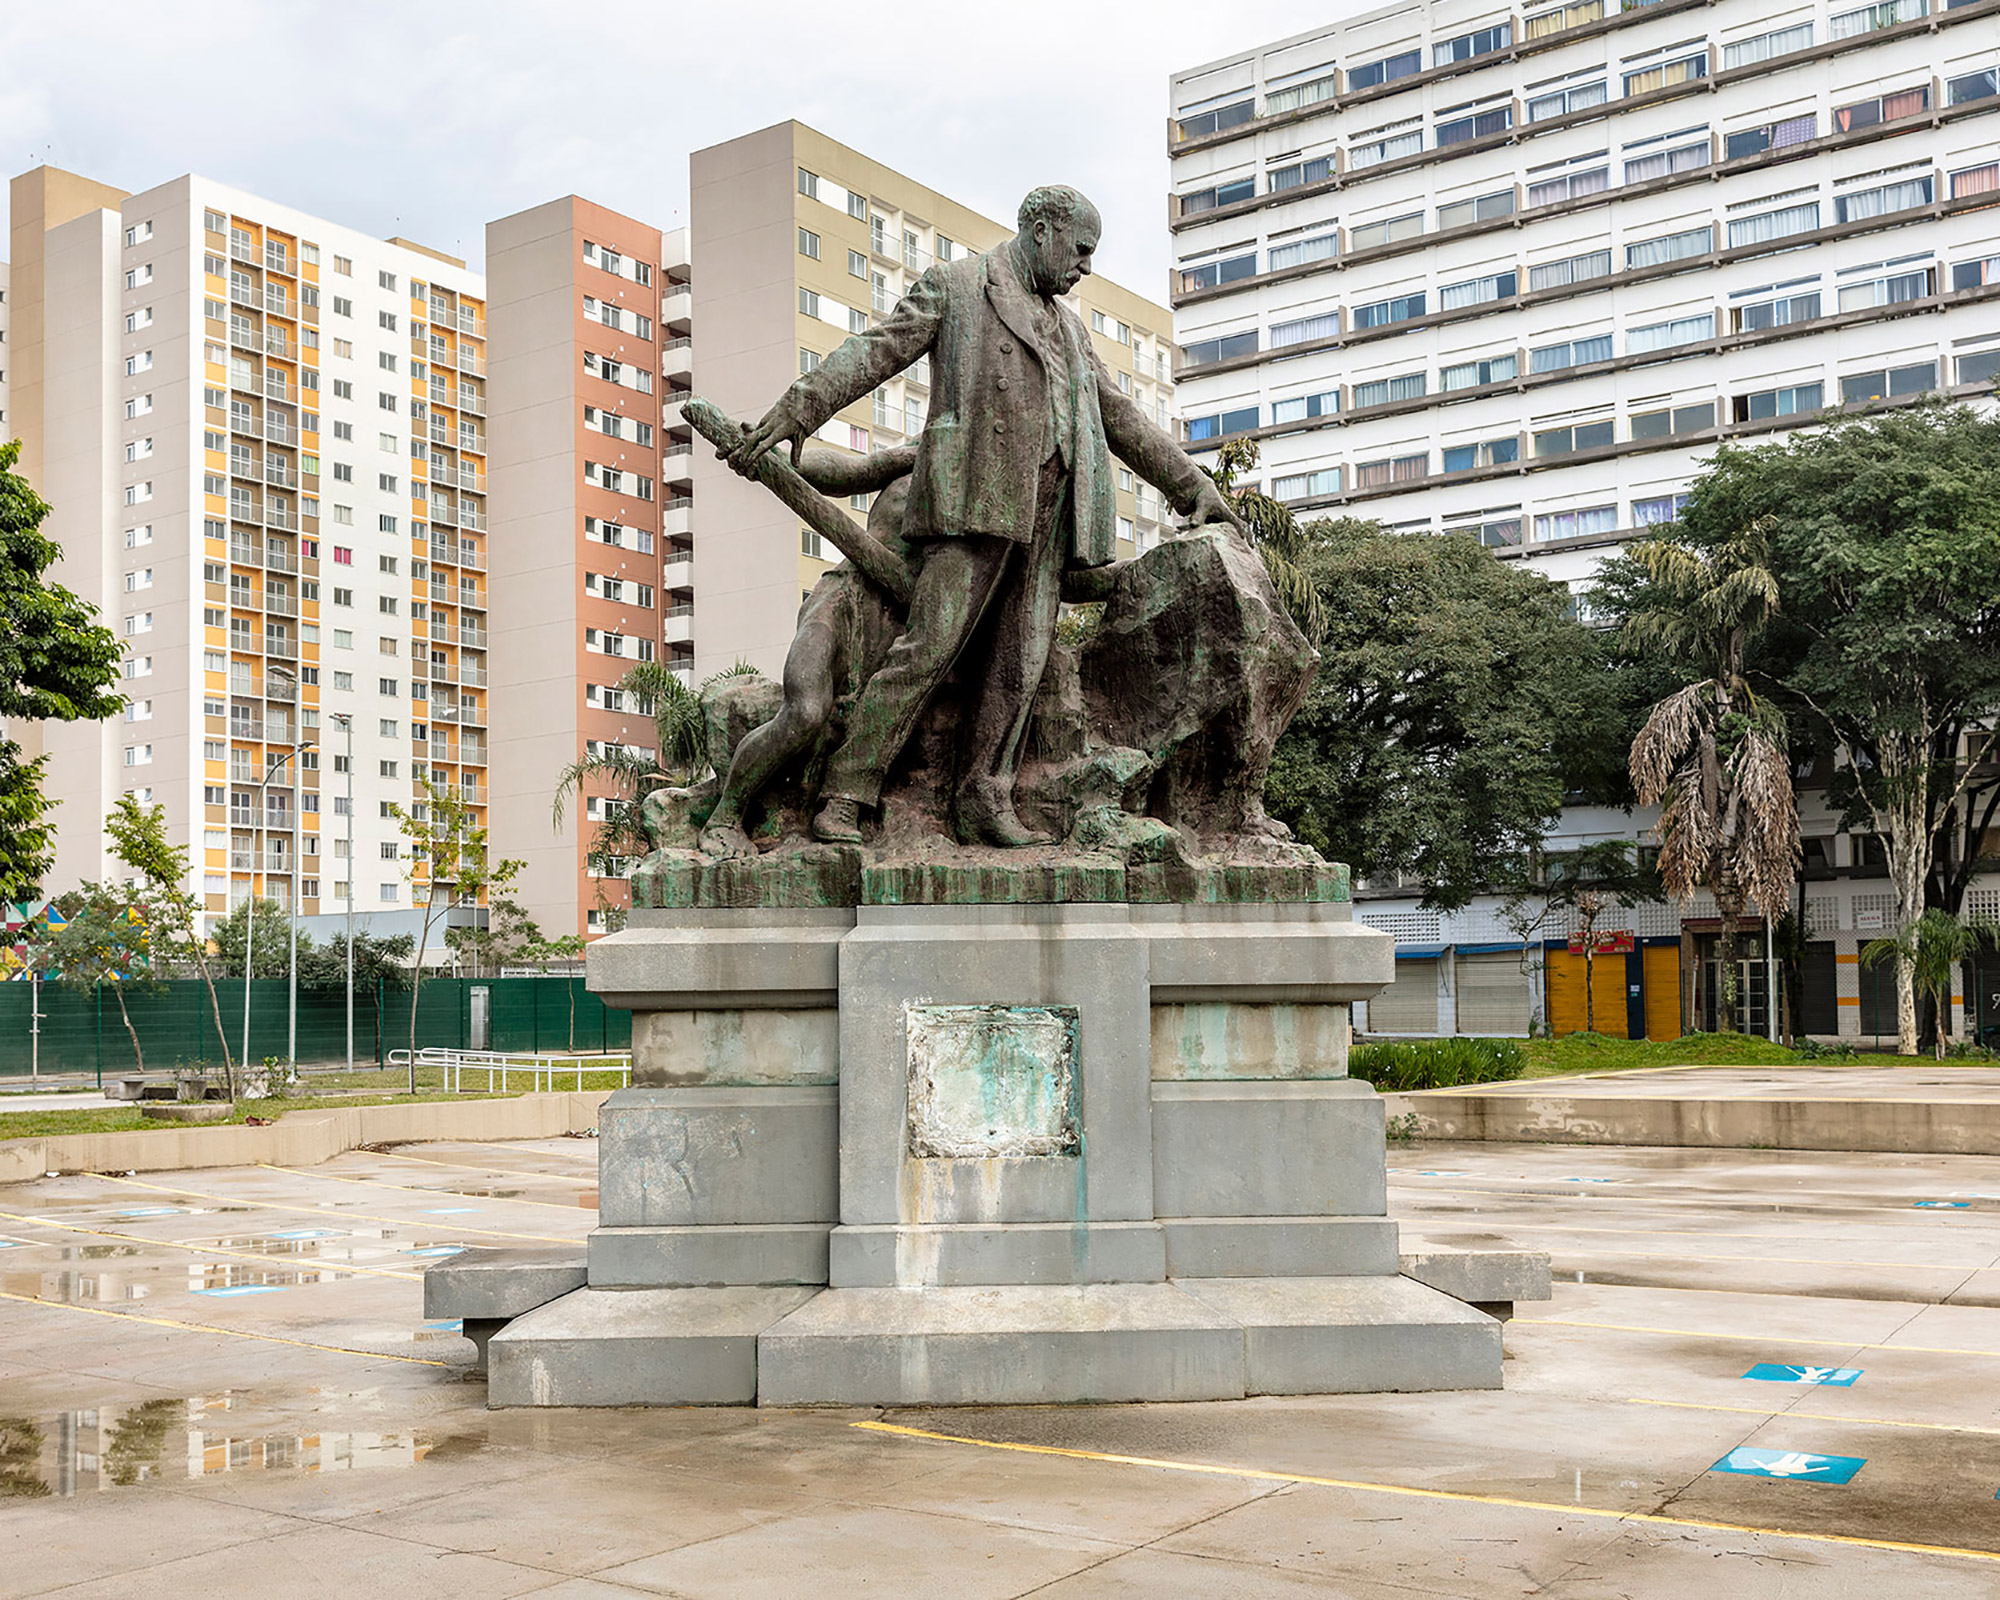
438 1250
1751 1462
1828 1377
149 1211
309 1233
1943 1205
456 1325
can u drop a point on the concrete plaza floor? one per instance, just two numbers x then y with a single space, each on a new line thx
221 1382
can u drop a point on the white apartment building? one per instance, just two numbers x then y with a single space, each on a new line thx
262 436
1516 272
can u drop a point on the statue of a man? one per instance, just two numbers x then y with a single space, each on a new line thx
1013 484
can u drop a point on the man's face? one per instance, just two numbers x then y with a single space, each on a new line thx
1060 252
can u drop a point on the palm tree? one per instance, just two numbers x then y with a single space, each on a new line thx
1712 755
680 729
1935 946
1278 536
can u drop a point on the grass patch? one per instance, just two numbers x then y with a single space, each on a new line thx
1593 1052
598 1073
1399 1066
127 1118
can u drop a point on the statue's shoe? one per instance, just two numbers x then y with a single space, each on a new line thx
985 822
838 822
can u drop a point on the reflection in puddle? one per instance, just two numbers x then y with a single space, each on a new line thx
76 1452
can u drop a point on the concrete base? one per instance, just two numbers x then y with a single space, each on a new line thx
637 1347
1279 1247
1009 1253
713 1256
1196 1339
1483 1270
1001 1346
487 1289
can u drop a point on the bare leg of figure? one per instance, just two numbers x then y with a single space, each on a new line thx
807 705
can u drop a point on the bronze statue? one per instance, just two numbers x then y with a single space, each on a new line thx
1012 485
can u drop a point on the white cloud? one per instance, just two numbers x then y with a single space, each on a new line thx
430 121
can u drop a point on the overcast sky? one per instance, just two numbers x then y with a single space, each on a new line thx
430 120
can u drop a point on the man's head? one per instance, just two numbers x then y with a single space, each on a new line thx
1059 230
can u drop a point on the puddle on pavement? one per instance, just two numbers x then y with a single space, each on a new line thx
162 1441
139 1276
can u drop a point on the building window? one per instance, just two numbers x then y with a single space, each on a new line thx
1490 369
1577 436
1576 524
1658 511
1674 420
1674 247
1376 73
1221 424
1892 382
1382 391
1804 397
1576 353
1384 312
1483 453
1394 469
808 243
1484 42
1307 485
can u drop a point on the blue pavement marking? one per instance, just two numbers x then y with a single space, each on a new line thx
438 1250
10 1244
1830 1377
308 1233
1943 1205
246 1288
1411 1172
151 1211
1585 1180
1801 1464
457 1325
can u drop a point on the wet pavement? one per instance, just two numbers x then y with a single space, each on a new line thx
1763 1374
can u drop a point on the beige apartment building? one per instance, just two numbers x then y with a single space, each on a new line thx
263 436
592 542
799 242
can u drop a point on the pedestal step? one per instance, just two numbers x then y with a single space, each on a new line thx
1195 1339
637 1347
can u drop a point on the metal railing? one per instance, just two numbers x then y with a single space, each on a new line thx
540 1071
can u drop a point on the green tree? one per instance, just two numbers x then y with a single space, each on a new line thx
1934 947
1713 755
102 941
1280 539
56 665
679 757
449 867
379 965
139 840
273 935
1885 536
509 934
1456 703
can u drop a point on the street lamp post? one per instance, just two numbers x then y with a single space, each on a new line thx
250 903
347 723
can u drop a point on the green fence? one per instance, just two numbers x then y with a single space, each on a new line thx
81 1030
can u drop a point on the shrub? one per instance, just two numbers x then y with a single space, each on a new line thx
1403 1065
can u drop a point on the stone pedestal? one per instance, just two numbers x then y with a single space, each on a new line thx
915 1154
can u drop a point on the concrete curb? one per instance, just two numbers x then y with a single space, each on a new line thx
1891 1127
301 1138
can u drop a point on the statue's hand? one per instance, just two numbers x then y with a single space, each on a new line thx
1211 507
781 423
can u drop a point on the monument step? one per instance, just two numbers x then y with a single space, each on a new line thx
962 1254
1280 1247
637 1347
1193 1339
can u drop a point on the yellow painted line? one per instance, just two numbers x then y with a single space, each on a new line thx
1462 1497
205 1327
411 1188
1752 1338
195 1247
1817 1416
326 1211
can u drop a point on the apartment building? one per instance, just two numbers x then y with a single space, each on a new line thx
592 522
799 242
5 283
263 438
1516 272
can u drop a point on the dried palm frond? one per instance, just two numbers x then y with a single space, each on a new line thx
1665 740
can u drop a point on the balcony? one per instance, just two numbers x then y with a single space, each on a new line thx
284 649
472 716
280 560
244 337
243 422
473 677
281 605
279 474
471 402
442 672
472 440
441 589
242 464
458 555
245 553
288 521
470 599
471 478
245 251
440 392
279 261
677 359
473 638
276 388
882 300
473 518
441 750
677 516
677 572
276 344
678 625
471 323
471 361
279 432
677 304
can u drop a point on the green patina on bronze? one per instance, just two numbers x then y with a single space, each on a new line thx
932 730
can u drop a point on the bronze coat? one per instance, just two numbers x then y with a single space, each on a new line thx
988 434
